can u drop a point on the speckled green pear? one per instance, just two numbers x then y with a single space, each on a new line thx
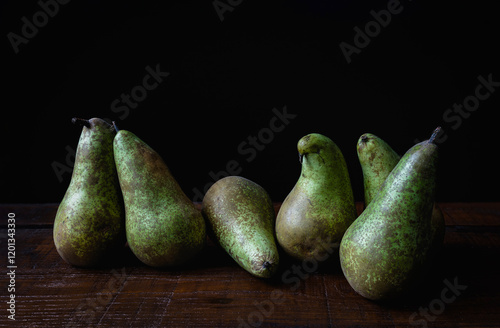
241 218
386 250
377 160
320 206
90 221
162 224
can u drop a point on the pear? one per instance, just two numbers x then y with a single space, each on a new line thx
241 218
163 226
90 222
320 207
385 251
377 160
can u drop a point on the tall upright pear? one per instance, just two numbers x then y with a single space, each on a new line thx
90 221
386 250
163 226
320 207
377 160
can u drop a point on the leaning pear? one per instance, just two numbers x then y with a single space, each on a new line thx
377 160
163 226
386 250
241 218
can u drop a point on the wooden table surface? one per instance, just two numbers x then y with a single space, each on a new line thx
462 289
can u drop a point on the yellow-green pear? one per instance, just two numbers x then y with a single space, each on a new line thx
320 207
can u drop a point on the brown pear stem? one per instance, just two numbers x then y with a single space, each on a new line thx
81 122
115 126
434 135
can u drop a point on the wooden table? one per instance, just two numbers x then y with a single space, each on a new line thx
462 290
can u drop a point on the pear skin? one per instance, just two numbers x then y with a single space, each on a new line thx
241 219
320 207
90 222
377 160
163 226
386 250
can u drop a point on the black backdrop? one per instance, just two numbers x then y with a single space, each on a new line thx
228 71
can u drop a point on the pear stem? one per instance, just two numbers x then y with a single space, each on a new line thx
81 122
434 135
115 126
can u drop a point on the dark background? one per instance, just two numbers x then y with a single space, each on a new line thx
227 76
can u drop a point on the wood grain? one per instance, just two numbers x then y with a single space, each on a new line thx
213 291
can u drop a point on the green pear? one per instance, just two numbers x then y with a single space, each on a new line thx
241 218
163 226
90 221
386 250
377 160
320 207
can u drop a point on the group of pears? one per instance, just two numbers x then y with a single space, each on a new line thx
121 191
